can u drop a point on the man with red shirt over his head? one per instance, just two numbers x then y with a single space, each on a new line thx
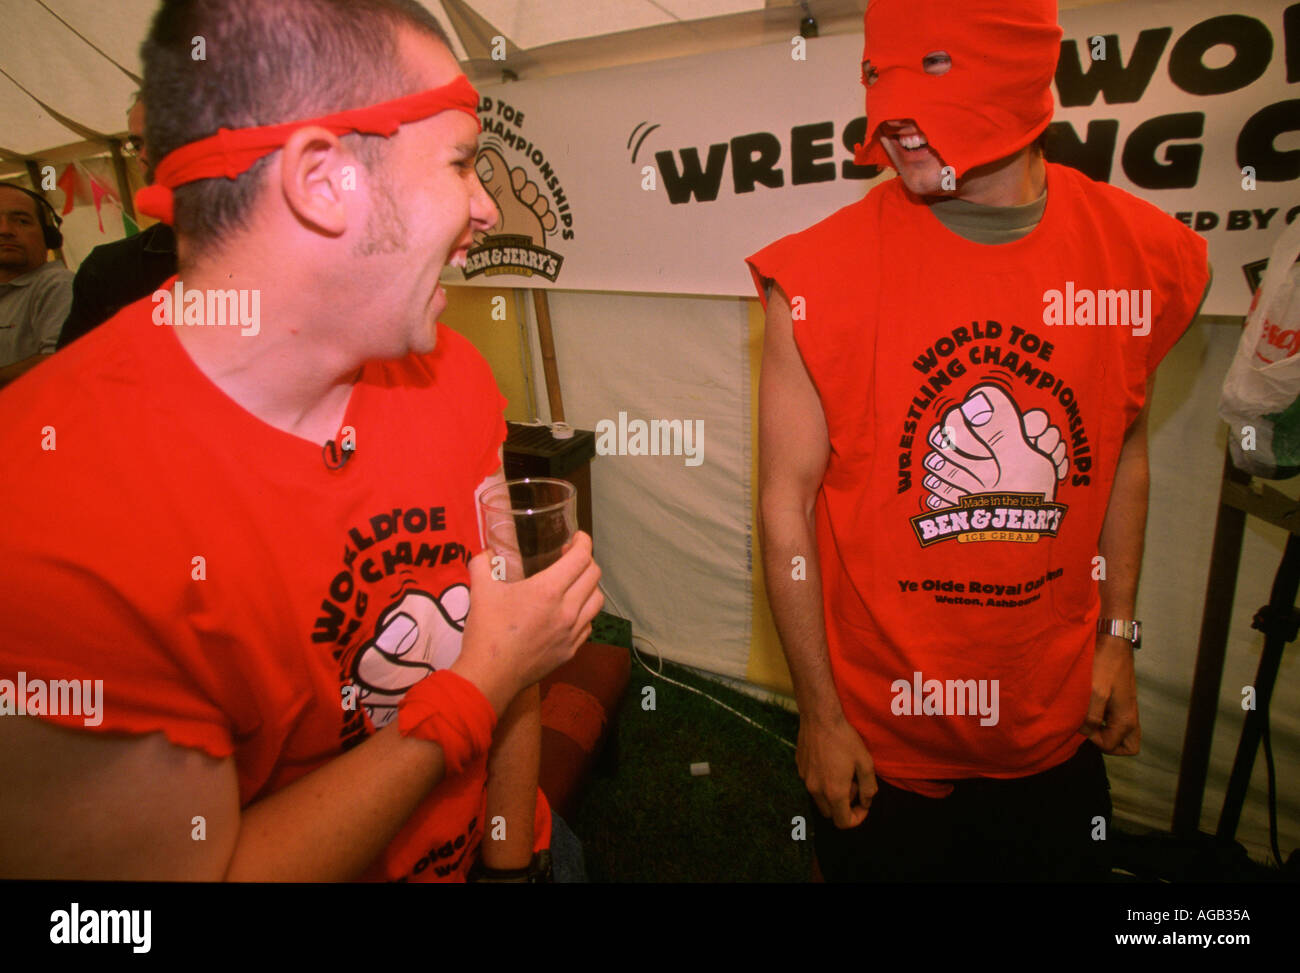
228 630
953 421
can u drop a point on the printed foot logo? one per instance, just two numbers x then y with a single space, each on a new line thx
986 445
416 636
523 210
516 245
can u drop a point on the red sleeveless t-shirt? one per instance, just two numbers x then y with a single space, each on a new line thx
976 398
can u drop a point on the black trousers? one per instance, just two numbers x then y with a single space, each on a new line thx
1040 828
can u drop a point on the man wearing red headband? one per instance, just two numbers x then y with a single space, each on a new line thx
286 664
953 410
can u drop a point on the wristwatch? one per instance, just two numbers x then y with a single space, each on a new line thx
1132 631
538 871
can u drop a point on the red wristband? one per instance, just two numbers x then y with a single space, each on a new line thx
448 709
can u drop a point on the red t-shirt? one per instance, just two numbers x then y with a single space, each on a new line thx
231 590
973 445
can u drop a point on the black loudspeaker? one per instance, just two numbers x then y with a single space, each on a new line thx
533 451
50 219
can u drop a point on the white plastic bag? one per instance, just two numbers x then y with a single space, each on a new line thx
1260 393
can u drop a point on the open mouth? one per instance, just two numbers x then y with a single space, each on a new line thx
905 135
460 255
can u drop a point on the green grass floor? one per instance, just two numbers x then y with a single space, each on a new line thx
651 821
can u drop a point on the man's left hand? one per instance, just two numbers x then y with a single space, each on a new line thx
1112 721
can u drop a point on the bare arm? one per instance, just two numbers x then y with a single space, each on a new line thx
513 767
1112 722
78 805
794 449
124 808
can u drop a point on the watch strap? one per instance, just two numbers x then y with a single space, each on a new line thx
538 871
1130 631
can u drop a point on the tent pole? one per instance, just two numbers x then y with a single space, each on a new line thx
123 180
549 367
526 350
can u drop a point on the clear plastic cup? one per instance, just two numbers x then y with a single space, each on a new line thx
526 524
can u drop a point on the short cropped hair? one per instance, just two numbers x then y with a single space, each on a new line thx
265 62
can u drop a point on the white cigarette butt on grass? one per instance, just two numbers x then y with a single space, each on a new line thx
700 770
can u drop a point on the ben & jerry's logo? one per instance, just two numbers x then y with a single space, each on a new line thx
1017 517
532 204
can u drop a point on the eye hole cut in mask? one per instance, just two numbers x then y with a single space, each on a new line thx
936 62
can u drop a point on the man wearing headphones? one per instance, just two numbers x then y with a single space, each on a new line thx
35 295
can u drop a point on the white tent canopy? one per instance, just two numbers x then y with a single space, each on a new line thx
68 68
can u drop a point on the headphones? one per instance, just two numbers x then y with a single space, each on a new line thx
53 236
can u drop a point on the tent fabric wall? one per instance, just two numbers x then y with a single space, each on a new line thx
672 539
68 67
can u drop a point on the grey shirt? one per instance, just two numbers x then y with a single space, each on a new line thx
989 224
33 307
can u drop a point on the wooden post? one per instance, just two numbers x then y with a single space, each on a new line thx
549 366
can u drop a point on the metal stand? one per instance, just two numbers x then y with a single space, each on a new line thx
1279 621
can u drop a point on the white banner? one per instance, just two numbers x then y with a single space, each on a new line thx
663 177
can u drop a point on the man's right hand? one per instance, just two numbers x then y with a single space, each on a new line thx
836 768
518 632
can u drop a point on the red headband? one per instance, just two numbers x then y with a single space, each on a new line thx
233 151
